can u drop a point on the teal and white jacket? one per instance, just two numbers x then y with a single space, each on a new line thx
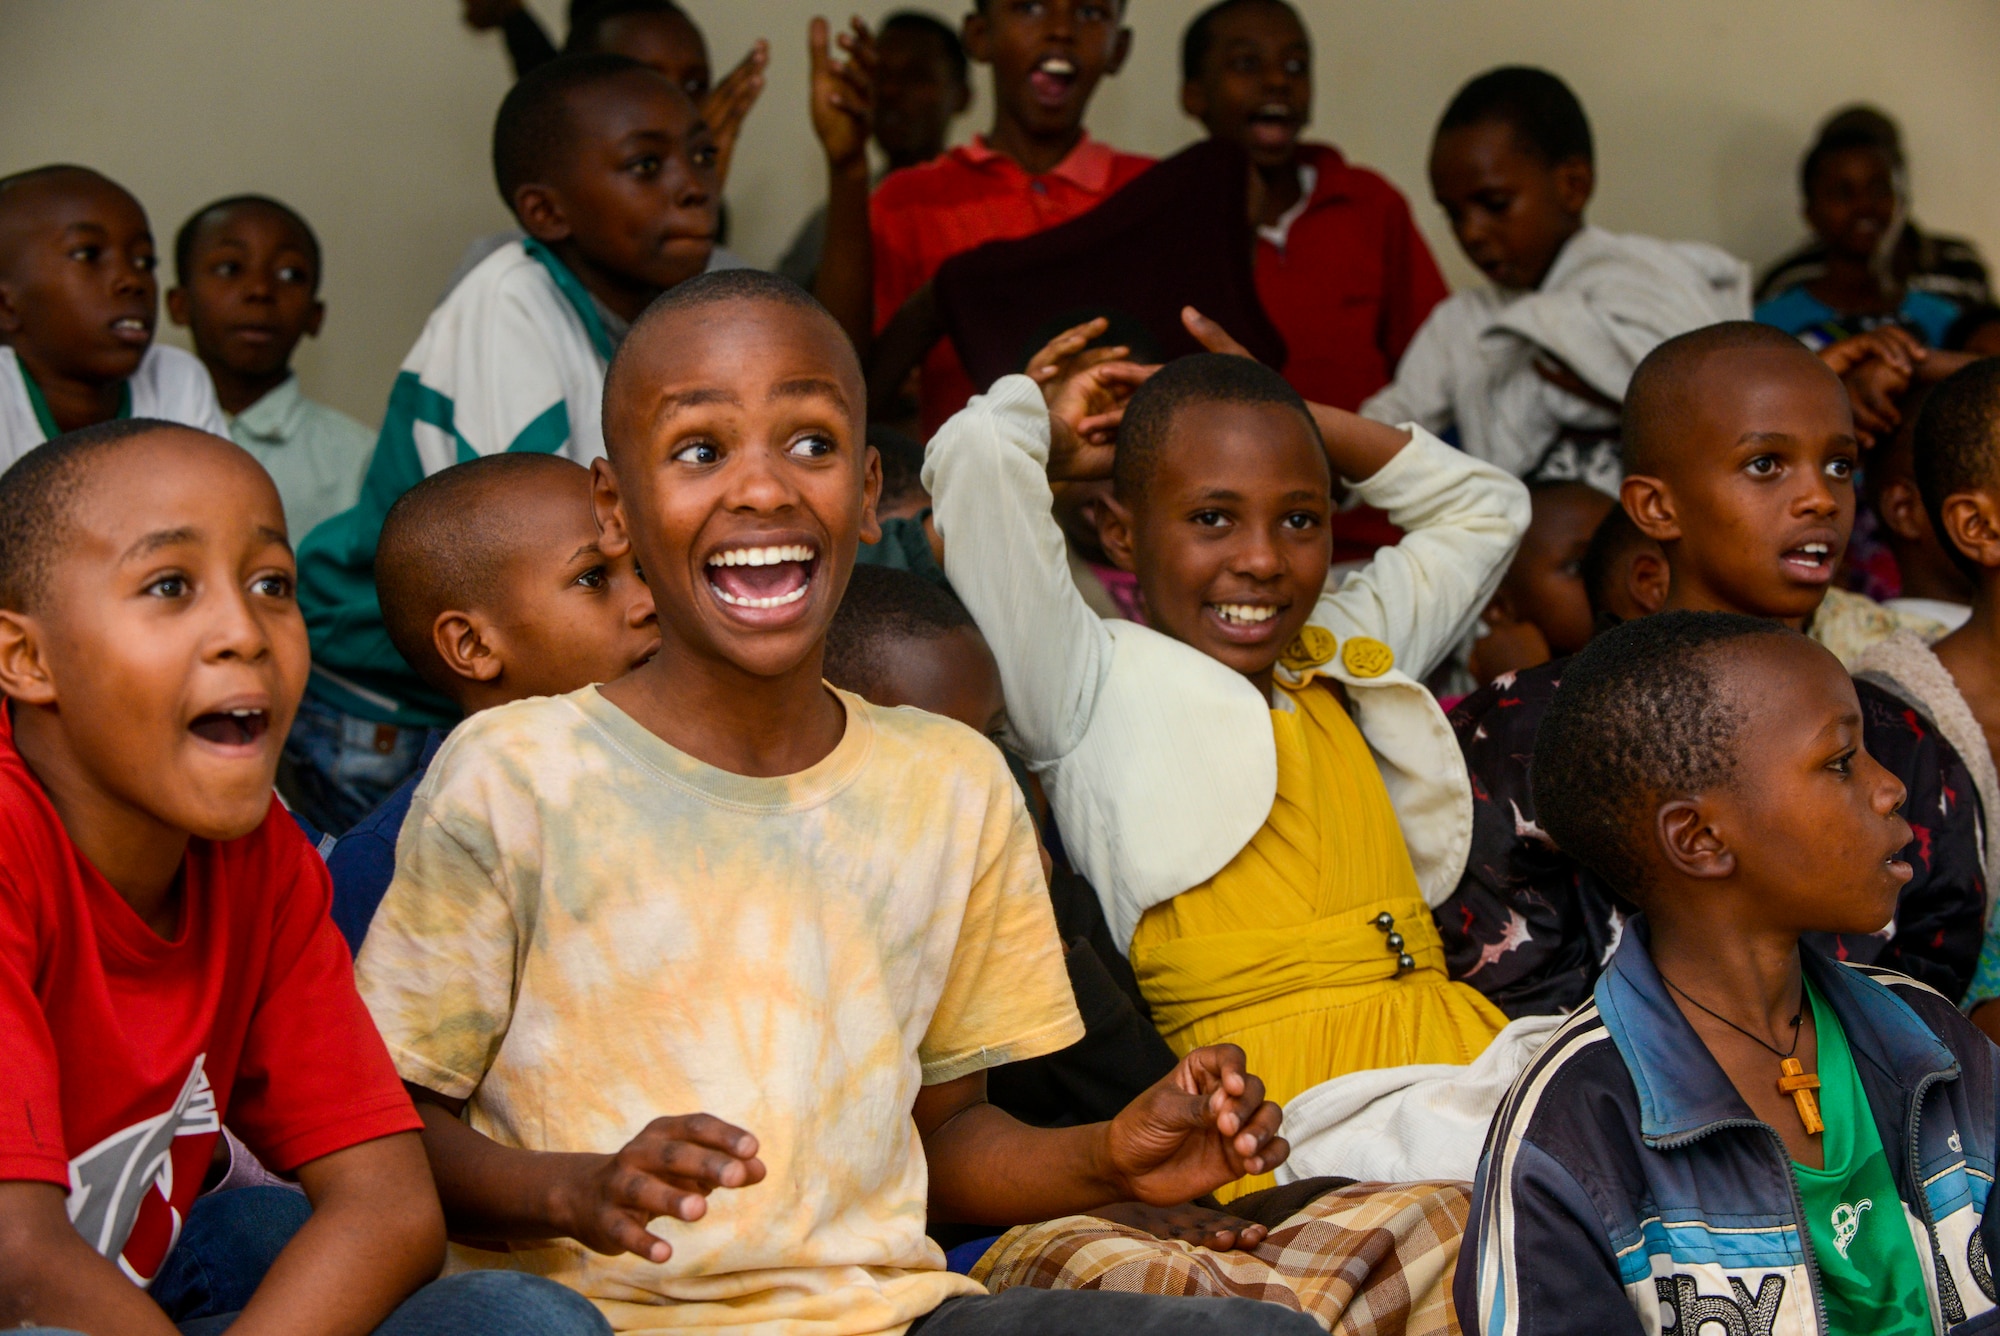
512 360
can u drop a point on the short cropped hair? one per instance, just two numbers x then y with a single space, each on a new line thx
1642 716
38 497
533 129
1852 128
902 460
184 239
883 606
1957 446
917 23
441 549
589 19
1199 38
1203 378
1656 398
1544 113
1615 538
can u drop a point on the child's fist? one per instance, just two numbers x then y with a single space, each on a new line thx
668 1169
1206 1123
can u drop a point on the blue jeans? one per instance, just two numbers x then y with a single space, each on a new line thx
228 1243
475 1303
339 767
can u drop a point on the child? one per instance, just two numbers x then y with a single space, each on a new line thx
1953 684
1257 785
1742 453
1341 268
838 910
166 963
249 271
493 589
1931 586
1624 571
1851 183
1660 1166
1035 168
1541 609
1531 371
77 304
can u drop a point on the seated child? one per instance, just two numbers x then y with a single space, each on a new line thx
1851 182
1542 609
512 362
494 589
1257 784
249 271
1953 684
1341 268
1531 370
1931 585
1624 571
78 299
1735 1134
1742 452
715 923
166 963
1036 167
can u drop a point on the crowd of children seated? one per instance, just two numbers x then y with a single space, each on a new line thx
712 818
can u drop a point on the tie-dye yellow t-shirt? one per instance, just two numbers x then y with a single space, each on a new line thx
589 929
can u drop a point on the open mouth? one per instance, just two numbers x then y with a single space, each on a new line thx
1052 79
763 578
232 728
131 329
1273 125
1244 623
1809 563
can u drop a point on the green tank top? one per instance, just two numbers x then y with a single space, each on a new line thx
1871 1280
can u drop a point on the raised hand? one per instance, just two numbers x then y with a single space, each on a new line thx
1206 1123
729 102
843 92
668 1169
1209 334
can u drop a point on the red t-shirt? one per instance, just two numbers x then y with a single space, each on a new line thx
922 216
126 1052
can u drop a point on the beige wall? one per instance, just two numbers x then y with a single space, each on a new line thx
371 116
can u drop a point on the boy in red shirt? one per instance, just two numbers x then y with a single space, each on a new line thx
1035 168
1341 268
166 960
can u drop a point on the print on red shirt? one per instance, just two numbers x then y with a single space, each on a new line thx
121 1190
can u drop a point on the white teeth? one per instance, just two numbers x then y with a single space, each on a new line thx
778 602
762 556
1245 614
1815 549
1277 109
1057 66
245 714
128 322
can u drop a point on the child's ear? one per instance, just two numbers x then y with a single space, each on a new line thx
1576 181
1114 531
606 507
1121 48
468 645
541 213
1194 100
1690 842
23 675
1647 579
1972 525
1500 610
315 318
1901 508
10 311
177 306
1650 503
976 37
871 485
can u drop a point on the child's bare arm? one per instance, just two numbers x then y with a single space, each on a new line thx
50 1277
843 99
604 1202
1205 1124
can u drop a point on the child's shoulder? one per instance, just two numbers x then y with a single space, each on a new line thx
915 187
518 736
908 737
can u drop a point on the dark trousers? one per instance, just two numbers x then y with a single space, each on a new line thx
1024 1311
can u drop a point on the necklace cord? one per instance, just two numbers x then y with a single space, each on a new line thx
1798 1017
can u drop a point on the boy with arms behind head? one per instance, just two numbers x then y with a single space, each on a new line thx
249 272
78 302
1816 1137
166 964
719 822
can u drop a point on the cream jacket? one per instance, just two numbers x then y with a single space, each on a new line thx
1160 761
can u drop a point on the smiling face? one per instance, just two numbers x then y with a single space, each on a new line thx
1754 502
1229 538
1510 210
1047 57
248 296
1852 202
1255 87
78 296
741 477
169 653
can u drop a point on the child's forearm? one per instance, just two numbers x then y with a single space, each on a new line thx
49 1277
497 1192
987 1168
1356 447
846 282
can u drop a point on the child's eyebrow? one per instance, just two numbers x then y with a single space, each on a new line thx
680 403
808 387
150 543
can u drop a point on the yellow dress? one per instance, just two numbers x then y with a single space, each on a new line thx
1282 952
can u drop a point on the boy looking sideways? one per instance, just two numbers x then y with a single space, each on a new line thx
1036 167
1711 768
880 863
1742 449
493 588
166 963
78 302
1341 267
1531 370
249 273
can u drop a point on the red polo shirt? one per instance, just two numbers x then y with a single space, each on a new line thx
1350 285
922 216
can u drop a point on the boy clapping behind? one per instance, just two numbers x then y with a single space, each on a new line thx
1816 1137
78 304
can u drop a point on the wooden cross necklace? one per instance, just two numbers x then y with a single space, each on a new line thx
1793 1078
